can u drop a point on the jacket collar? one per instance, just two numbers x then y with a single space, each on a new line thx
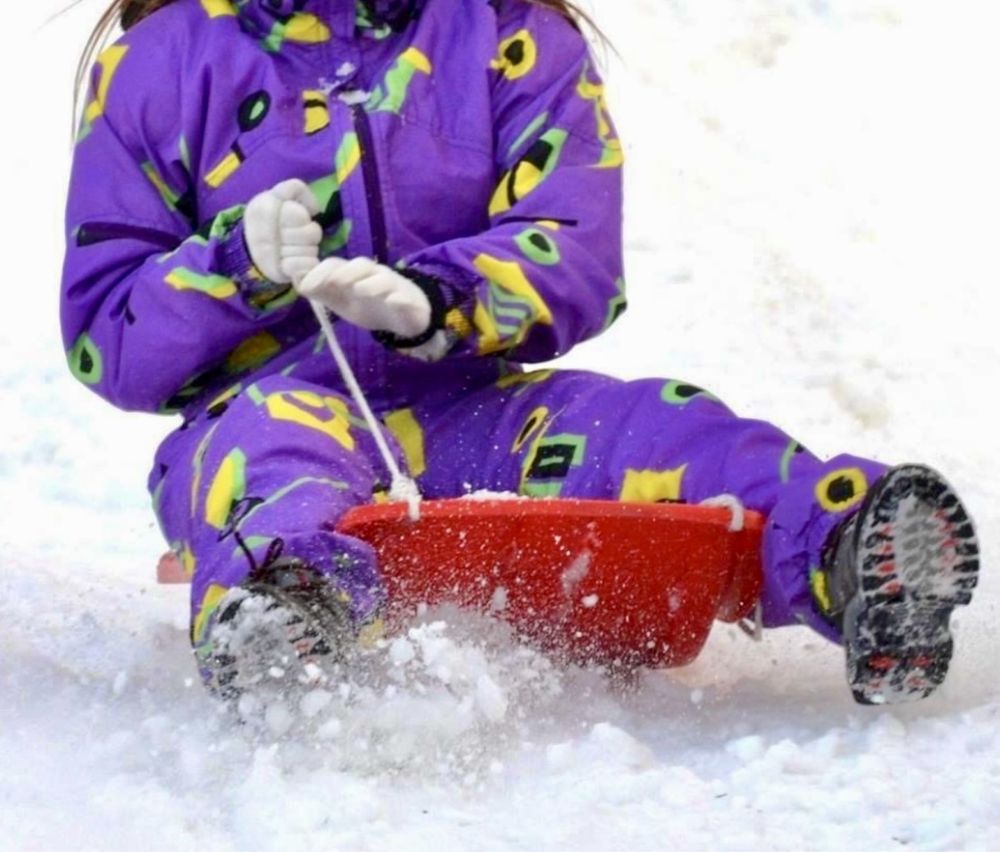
313 21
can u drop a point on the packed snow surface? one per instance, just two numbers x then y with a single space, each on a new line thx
812 235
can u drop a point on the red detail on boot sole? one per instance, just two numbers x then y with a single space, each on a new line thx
600 581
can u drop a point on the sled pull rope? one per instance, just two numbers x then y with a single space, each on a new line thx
403 487
754 628
737 511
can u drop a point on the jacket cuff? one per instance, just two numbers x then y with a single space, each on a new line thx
434 290
258 292
234 256
459 286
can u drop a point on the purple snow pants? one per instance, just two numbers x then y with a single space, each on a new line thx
283 459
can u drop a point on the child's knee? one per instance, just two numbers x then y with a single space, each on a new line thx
276 413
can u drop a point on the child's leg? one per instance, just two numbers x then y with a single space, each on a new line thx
259 477
576 434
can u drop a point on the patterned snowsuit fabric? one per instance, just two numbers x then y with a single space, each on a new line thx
464 139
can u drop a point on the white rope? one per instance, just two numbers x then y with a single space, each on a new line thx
403 488
754 629
737 511
737 522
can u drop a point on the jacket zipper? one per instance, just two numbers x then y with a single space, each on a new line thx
369 169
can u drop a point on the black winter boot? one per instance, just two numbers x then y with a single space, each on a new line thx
285 628
891 576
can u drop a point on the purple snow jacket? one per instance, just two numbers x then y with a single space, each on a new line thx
465 142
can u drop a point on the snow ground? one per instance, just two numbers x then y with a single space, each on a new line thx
811 235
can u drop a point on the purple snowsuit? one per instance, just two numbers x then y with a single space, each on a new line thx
466 143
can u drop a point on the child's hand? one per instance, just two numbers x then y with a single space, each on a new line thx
369 295
281 235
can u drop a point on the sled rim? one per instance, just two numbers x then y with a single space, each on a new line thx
170 572
505 507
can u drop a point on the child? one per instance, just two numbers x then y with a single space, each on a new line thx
444 177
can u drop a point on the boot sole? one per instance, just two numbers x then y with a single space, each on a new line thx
917 559
286 635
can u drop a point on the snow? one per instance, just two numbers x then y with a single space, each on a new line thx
811 235
484 495
354 97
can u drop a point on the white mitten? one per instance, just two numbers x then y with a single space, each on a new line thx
369 295
281 235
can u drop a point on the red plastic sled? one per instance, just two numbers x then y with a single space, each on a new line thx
602 582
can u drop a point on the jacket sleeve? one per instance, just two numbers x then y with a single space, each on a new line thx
152 308
547 273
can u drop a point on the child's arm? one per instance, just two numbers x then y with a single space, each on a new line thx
548 272
150 310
